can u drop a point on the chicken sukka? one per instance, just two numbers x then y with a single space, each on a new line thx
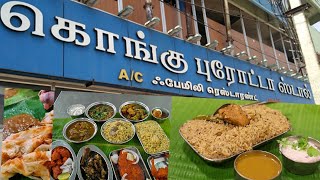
132 171
58 157
134 112
233 114
93 166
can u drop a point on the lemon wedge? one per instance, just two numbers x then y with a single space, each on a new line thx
64 176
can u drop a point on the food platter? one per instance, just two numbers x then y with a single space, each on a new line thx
140 163
231 137
221 160
96 150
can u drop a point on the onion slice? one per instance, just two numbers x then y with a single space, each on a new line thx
134 154
124 176
115 158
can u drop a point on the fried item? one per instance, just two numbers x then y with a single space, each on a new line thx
93 166
18 123
32 164
216 139
58 157
133 171
10 92
233 114
161 173
28 151
25 142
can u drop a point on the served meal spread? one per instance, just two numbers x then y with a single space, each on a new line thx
215 138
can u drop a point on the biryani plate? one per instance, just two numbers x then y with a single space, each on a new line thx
233 130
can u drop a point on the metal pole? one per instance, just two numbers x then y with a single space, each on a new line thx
179 16
188 18
273 47
195 21
148 7
163 17
205 20
294 57
244 34
227 21
285 51
260 40
120 5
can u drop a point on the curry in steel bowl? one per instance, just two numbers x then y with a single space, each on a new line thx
257 165
117 131
79 130
134 111
101 111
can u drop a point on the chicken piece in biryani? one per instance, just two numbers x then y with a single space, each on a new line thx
233 114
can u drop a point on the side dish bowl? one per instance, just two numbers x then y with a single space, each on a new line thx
301 163
80 130
257 165
101 111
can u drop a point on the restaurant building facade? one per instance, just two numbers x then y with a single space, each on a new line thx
213 48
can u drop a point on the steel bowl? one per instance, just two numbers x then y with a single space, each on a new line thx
97 150
113 120
76 110
164 113
61 143
135 102
300 168
239 176
97 103
77 120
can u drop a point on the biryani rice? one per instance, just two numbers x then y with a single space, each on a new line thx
118 131
152 137
216 139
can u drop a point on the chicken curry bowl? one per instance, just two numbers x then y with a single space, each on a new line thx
134 111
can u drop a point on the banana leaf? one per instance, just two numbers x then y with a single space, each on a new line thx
186 164
22 95
31 106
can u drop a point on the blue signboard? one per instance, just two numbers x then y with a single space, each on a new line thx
65 39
